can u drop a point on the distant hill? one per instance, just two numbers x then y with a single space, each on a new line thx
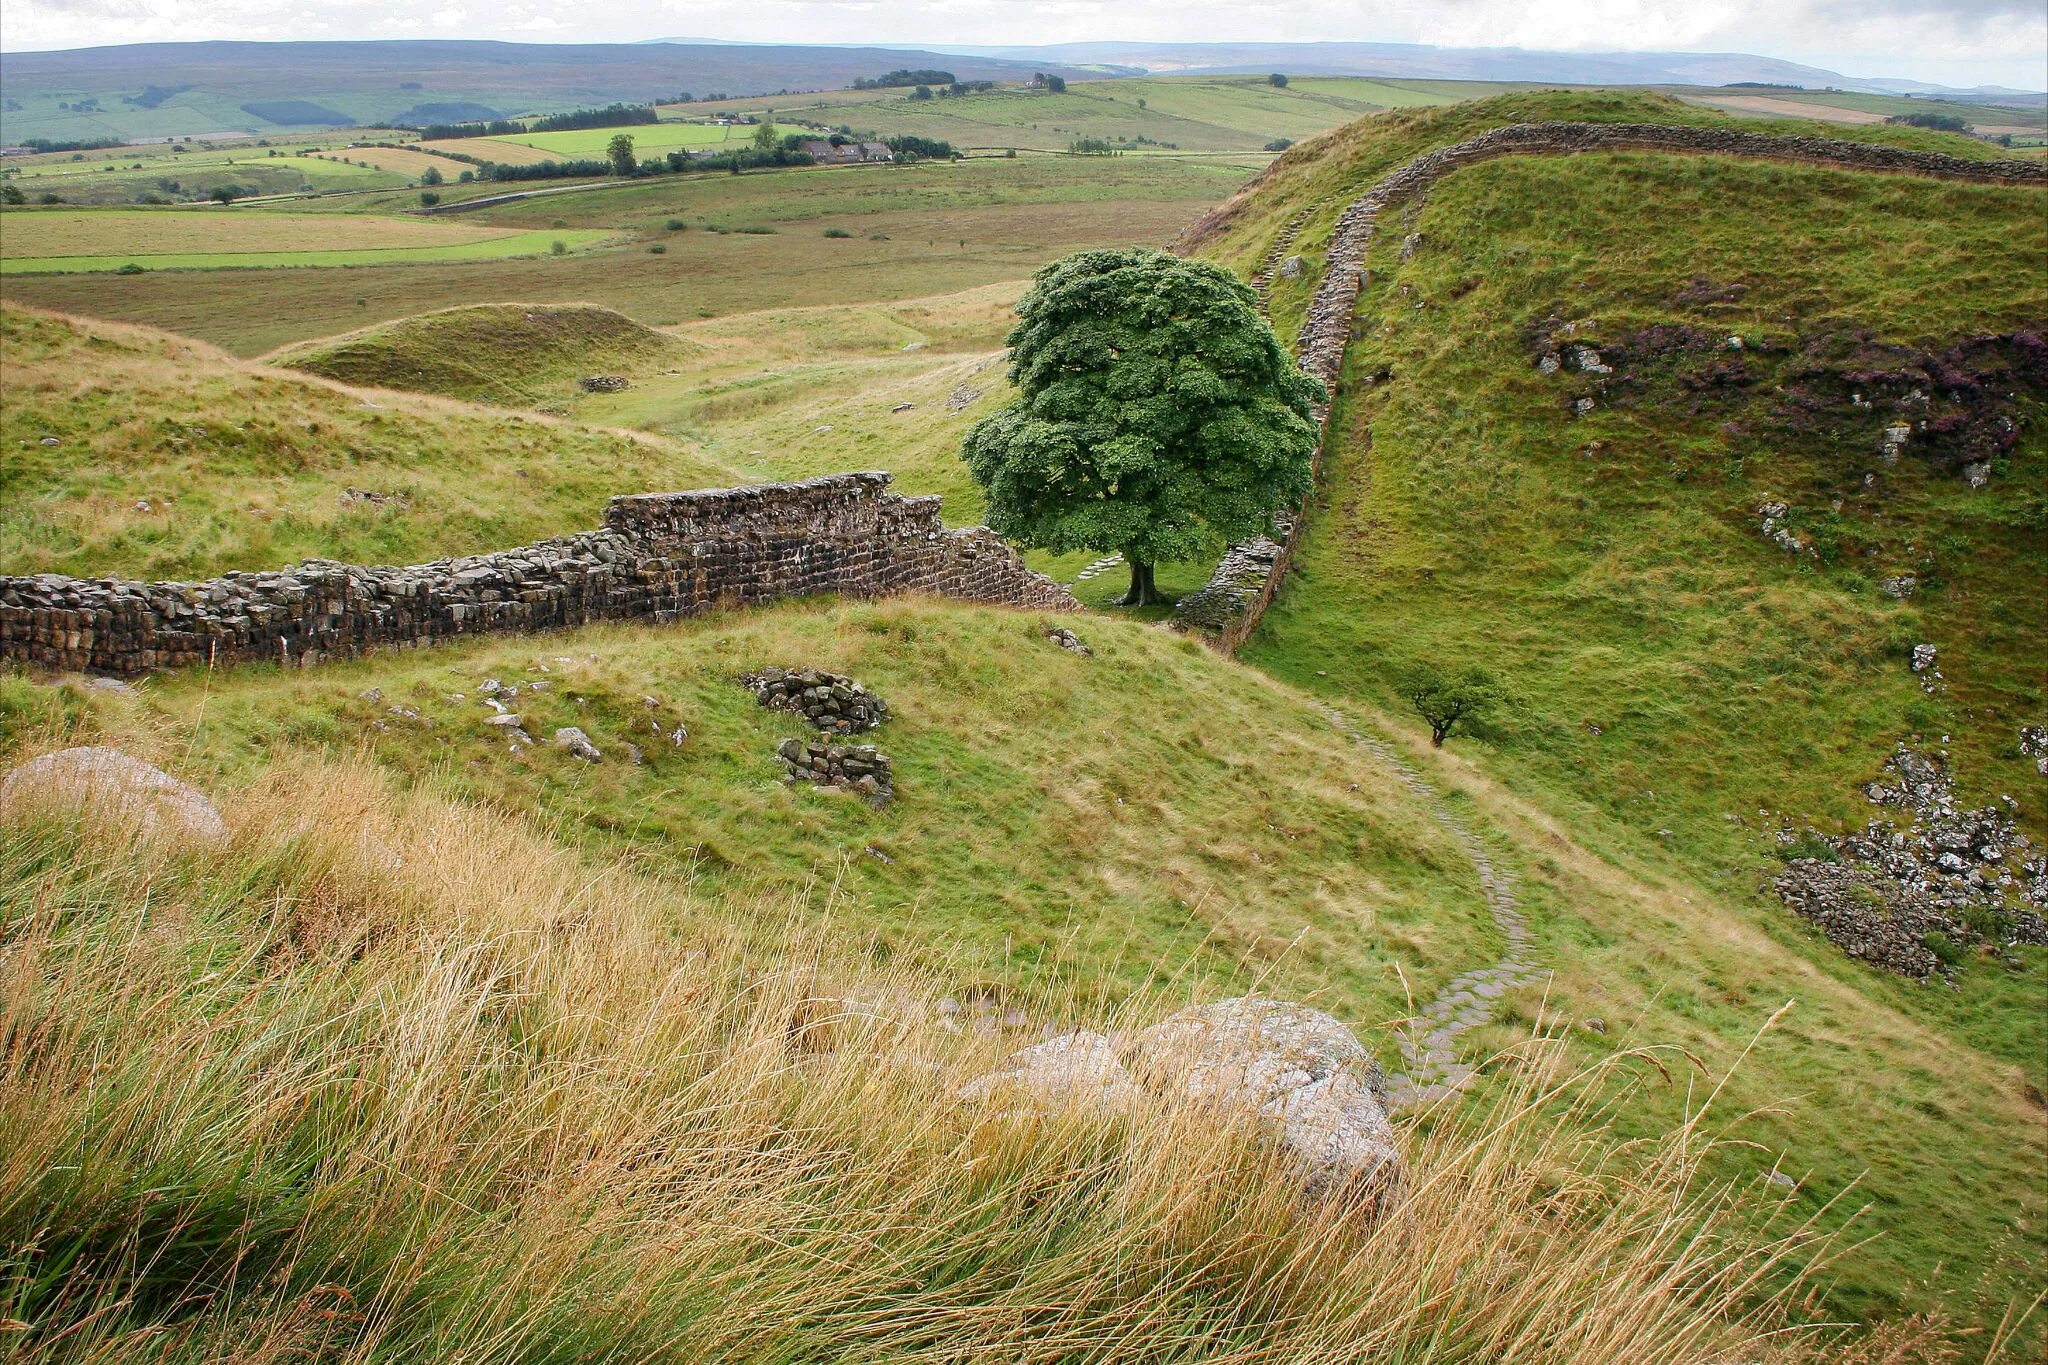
102 92
1416 61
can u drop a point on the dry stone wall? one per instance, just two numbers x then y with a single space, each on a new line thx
1228 608
658 556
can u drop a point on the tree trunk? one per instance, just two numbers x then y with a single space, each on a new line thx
1144 592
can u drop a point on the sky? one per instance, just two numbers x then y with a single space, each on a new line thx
1952 42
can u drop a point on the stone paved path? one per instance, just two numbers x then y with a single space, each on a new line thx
1429 1043
1099 567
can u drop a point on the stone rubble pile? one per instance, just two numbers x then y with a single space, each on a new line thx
1903 898
1070 642
858 767
602 383
833 703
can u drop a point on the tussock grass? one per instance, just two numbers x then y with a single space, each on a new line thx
389 1077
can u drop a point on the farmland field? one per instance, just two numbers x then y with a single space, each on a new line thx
106 239
190 171
649 139
1184 113
912 232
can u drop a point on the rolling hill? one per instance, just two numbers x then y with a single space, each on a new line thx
226 87
544 989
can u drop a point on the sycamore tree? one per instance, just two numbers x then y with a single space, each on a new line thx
1156 415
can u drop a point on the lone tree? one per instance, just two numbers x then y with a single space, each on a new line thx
1156 414
1448 700
1277 81
765 140
619 151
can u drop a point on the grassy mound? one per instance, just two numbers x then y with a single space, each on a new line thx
516 354
131 452
1685 686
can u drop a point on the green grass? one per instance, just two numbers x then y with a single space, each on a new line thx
1682 686
1177 113
216 238
172 461
1063 827
649 139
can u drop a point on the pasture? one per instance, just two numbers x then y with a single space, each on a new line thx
649 140
912 232
46 240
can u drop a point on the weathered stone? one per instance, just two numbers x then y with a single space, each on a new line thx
109 783
577 744
1067 640
1073 1069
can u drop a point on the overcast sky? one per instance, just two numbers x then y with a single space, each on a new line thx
1955 42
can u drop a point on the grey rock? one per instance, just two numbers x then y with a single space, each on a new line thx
109 783
572 739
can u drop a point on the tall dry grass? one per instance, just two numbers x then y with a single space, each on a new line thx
388 1078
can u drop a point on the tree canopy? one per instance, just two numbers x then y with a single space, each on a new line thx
1156 414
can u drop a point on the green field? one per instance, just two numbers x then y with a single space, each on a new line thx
176 172
217 238
1196 114
649 139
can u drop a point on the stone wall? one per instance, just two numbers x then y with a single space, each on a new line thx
658 556
1229 607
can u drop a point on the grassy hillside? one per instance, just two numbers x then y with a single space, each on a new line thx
394 1076
512 353
1072 836
1313 181
1683 688
130 452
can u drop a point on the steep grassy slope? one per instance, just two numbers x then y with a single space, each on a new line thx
1685 687
1306 188
511 353
1062 825
130 452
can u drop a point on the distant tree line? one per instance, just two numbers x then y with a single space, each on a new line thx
904 76
611 116
43 144
764 152
1947 123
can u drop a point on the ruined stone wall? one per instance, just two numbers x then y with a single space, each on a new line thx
1228 608
659 556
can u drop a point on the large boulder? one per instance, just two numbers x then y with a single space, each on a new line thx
1074 1069
1304 1074
1295 1066
109 783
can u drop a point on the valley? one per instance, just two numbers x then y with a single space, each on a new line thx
1569 389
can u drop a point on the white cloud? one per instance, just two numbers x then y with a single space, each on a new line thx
1954 41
